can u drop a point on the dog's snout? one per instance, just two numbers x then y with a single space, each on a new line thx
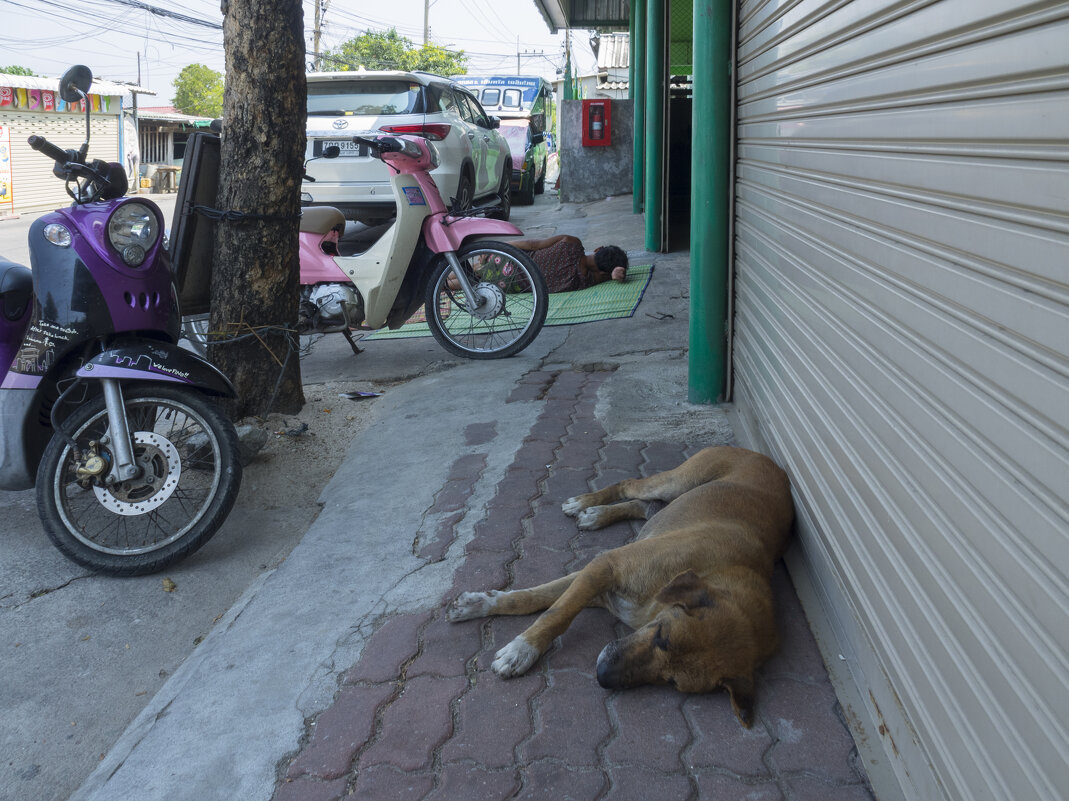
608 666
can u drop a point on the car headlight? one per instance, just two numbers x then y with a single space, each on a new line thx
132 230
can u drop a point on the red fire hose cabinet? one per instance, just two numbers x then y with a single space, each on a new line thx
597 122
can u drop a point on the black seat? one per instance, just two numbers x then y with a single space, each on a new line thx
16 289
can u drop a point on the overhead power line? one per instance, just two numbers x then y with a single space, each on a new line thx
166 12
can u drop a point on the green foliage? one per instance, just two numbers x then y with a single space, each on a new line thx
372 51
432 58
198 90
16 70
388 50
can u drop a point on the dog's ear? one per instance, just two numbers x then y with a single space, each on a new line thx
741 691
687 590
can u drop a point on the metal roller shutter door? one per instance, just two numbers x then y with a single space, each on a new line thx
36 188
901 336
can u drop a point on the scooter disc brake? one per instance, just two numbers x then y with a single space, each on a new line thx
491 301
161 468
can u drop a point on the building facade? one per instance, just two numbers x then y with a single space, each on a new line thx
31 105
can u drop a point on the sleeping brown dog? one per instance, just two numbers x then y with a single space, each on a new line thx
694 585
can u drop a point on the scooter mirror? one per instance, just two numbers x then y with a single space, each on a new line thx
332 152
75 83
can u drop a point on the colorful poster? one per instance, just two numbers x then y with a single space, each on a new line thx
47 100
7 199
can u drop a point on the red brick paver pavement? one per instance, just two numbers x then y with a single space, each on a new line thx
421 716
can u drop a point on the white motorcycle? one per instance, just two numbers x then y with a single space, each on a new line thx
482 299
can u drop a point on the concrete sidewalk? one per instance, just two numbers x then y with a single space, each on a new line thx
336 674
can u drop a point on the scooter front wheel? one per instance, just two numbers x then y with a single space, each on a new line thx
189 473
509 308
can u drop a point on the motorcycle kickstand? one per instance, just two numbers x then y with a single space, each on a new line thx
352 342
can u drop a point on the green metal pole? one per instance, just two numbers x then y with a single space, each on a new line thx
710 204
638 97
653 163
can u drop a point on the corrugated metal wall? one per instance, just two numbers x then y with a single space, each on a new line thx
35 187
901 338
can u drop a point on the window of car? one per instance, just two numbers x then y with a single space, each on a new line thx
478 116
446 101
463 109
379 97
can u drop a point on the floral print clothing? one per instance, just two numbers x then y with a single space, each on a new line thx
559 264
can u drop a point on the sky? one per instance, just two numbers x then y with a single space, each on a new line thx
47 36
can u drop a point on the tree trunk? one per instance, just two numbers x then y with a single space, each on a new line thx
256 263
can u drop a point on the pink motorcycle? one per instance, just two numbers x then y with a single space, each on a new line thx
481 298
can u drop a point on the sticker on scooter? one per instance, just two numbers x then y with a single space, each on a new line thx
415 196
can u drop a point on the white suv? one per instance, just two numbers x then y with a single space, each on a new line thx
476 165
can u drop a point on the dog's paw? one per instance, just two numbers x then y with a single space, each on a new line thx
572 506
514 659
470 605
590 517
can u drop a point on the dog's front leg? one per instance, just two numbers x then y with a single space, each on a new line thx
517 657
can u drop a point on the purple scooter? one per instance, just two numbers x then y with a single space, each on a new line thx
135 465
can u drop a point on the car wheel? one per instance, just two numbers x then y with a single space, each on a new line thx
463 199
504 194
540 184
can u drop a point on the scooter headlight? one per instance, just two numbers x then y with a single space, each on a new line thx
132 230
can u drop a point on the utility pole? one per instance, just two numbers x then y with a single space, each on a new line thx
317 31
426 21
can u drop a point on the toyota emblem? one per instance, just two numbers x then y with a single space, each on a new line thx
339 124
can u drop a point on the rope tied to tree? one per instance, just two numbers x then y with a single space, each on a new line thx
231 215
241 331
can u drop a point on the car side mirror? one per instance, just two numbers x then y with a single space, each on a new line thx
538 138
495 122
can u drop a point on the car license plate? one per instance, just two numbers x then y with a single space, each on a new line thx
347 147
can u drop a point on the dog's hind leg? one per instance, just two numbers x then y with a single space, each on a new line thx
594 517
704 466
470 605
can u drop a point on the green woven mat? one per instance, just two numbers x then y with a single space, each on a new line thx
604 301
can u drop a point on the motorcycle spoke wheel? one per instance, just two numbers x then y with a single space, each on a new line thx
509 308
188 479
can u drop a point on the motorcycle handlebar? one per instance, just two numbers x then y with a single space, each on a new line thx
41 144
381 144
